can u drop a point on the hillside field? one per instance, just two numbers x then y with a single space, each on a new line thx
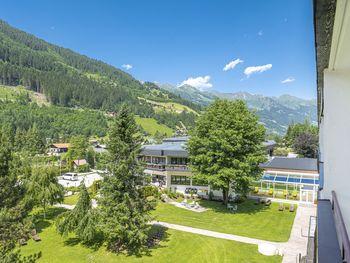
151 126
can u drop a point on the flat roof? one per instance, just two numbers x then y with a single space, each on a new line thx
176 149
304 164
176 139
176 146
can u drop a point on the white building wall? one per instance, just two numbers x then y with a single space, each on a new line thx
335 139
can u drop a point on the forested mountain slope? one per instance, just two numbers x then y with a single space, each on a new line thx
73 80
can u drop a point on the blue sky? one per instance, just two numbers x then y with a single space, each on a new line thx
183 41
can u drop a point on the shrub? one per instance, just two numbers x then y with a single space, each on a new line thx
150 190
280 152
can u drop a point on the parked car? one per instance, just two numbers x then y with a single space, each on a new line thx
70 176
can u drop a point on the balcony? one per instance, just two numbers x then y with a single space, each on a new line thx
332 240
167 167
177 167
157 167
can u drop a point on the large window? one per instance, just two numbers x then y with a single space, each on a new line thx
181 180
179 160
158 160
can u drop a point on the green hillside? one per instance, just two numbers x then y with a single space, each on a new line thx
59 122
151 126
69 79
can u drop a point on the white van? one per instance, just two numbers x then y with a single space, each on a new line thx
70 176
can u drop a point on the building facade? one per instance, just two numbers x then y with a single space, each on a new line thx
167 164
298 176
332 42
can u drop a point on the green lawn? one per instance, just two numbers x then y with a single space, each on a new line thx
176 247
151 126
71 200
255 221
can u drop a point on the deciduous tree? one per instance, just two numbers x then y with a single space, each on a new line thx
225 147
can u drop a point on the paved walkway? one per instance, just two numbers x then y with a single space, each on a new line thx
297 242
209 233
69 207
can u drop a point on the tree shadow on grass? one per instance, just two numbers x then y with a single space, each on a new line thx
51 214
94 244
154 230
246 207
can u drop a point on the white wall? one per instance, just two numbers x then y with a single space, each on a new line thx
335 136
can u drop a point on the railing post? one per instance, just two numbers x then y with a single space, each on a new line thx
344 238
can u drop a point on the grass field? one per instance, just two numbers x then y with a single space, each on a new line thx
151 126
13 93
255 221
176 247
71 200
169 106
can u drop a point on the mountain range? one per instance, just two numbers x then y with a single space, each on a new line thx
69 79
276 113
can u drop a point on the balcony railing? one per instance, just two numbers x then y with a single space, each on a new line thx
167 167
176 167
343 237
332 240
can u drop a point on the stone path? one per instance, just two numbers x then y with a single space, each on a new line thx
69 207
209 233
297 242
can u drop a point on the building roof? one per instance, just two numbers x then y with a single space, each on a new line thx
304 164
60 145
176 139
269 144
176 149
80 162
324 13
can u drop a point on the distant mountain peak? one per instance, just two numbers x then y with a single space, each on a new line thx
276 113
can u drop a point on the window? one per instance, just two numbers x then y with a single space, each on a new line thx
179 160
181 180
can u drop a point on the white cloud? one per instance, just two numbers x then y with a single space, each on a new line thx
260 33
127 66
232 64
200 83
289 79
257 69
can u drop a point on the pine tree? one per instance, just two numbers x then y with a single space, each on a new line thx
34 141
43 187
125 210
13 208
81 220
19 140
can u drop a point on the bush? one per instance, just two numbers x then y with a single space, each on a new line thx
239 199
280 152
150 190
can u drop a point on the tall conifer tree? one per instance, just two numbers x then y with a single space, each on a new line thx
125 210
